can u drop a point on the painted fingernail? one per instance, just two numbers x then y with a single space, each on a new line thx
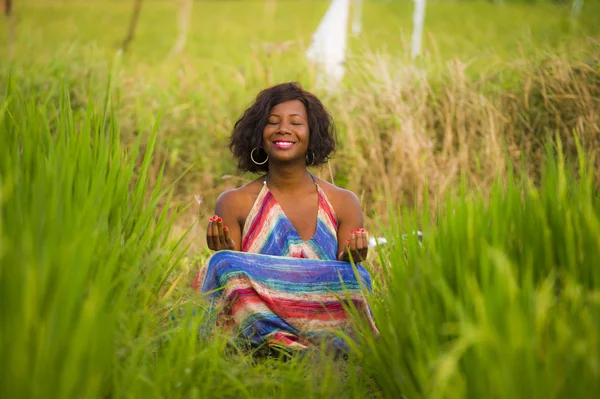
219 220
352 232
362 230
347 241
225 228
211 218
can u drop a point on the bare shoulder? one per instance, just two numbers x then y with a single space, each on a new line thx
239 200
342 200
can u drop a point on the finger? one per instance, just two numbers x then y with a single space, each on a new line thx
360 244
359 238
215 233
363 253
351 255
365 247
343 255
228 240
209 238
222 241
353 240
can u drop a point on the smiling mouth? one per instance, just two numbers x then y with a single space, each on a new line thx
283 144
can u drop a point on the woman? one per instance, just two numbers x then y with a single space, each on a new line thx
281 273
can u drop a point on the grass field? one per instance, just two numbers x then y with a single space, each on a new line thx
224 33
487 144
494 80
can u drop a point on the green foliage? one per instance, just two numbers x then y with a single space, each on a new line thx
492 77
501 300
90 286
76 243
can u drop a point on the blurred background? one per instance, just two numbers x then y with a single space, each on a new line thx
492 80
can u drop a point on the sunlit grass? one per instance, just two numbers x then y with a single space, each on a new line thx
494 79
93 296
224 33
501 299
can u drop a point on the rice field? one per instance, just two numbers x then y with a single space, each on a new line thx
487 144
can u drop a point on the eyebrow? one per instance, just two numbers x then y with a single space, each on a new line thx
277 115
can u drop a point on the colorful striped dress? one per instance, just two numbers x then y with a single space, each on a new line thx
281 290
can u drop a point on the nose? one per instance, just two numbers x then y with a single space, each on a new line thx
284 129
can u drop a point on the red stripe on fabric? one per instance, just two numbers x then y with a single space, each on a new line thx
288 309
306 311
196 283
327 209
242 299
258 221
287 339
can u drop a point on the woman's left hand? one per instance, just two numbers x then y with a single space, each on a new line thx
357 247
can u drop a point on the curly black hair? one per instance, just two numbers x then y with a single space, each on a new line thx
248 130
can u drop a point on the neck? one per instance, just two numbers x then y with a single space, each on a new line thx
288 177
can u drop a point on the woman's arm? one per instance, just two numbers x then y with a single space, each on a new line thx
352 238
224 232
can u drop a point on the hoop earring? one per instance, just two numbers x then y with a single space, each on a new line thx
313 158
252 157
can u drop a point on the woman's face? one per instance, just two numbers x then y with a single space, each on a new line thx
286 134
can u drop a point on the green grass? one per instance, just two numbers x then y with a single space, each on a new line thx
82 248
224 33
91 292
502 299
493 51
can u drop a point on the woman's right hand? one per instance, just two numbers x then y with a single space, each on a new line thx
217 235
